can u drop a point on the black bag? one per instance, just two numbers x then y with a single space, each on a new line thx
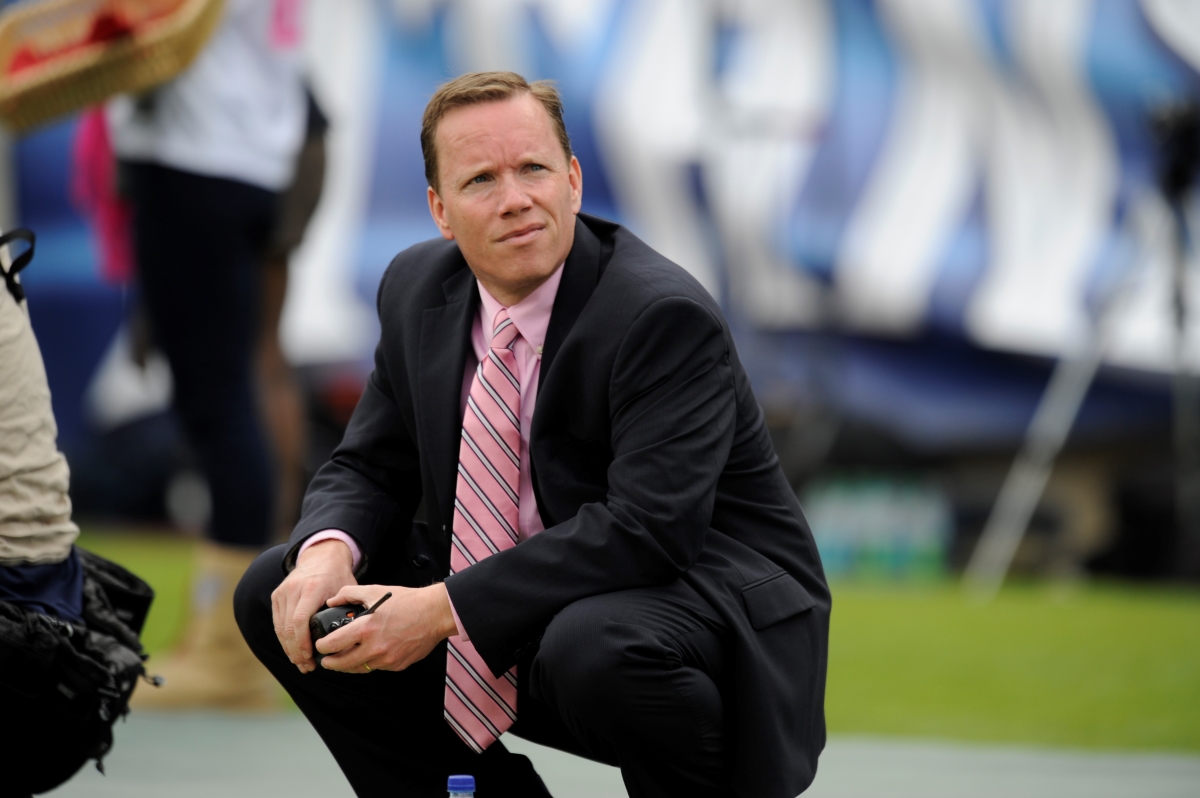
63 685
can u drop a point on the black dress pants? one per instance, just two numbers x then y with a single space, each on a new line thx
200 243
631 679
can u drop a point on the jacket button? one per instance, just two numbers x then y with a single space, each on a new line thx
420 561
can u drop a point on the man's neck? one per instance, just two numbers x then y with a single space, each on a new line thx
507 295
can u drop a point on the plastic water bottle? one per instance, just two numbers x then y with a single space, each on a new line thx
461 786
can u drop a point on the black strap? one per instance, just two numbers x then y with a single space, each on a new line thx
19 262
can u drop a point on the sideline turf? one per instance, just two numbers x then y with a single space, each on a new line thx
1090 665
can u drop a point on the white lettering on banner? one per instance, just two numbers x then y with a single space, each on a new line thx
922 183
496 34
1052 177
1037 142
709 114
650 123
771 100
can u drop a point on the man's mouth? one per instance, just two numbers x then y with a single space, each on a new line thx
522 234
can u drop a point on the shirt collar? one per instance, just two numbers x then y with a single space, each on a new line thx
531 315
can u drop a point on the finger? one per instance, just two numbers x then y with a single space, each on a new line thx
347 658
279 611
353 658
306 607
365 595
296 638
277 615
342 662
284 630
350 635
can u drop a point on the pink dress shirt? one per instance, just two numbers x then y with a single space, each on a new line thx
531 316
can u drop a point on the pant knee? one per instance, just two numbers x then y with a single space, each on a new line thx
637 692
606 673
589 663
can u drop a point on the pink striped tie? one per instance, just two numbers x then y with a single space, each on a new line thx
479 706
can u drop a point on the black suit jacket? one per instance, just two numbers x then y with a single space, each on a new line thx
651 462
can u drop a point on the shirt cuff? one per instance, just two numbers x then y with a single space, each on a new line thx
462 633
337 534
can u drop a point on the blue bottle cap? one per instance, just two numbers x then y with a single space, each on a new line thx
461 784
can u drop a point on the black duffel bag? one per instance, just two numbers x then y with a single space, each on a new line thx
63 685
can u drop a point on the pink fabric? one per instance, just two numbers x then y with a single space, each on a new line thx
333 534
94 193
531 316
479 706
462 664
287 24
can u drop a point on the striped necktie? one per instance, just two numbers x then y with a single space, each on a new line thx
480 707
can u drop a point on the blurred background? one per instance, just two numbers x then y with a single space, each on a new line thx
914 213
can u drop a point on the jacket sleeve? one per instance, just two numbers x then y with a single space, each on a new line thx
672 412
372 481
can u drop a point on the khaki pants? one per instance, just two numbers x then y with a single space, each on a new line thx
35 510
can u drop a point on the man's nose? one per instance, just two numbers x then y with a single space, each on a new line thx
513 197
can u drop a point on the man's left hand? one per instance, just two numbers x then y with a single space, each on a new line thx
402 631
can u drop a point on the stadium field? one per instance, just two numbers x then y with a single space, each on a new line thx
1084 665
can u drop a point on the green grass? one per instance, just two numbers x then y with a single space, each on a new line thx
1093 665
1100 666
165 562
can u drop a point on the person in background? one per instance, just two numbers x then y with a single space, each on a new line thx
204 160
282 400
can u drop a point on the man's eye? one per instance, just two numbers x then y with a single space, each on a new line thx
536 167
478 179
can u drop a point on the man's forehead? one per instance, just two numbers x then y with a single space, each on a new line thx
478 134
520 116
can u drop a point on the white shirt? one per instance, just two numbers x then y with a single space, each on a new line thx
237 112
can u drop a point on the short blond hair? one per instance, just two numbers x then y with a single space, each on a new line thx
485 87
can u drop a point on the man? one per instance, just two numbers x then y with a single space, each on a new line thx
609 544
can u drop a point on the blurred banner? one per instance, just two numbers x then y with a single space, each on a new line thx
975 173
975 167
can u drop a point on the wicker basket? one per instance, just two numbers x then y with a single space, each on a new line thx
167 35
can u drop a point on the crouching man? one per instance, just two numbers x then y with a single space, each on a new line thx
611 562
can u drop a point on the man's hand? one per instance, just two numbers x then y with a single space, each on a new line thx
321 571
402 631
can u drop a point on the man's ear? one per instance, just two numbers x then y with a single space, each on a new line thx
575 177
437 209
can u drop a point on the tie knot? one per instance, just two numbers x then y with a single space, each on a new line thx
504 332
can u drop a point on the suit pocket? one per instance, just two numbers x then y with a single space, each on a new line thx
771 600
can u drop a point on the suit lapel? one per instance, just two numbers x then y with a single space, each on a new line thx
580 274
445 340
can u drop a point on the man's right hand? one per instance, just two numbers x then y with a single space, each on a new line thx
321 571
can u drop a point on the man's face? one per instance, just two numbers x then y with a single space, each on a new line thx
507 193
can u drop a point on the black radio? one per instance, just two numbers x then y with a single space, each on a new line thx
332 618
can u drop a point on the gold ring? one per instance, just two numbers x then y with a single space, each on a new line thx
368 667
